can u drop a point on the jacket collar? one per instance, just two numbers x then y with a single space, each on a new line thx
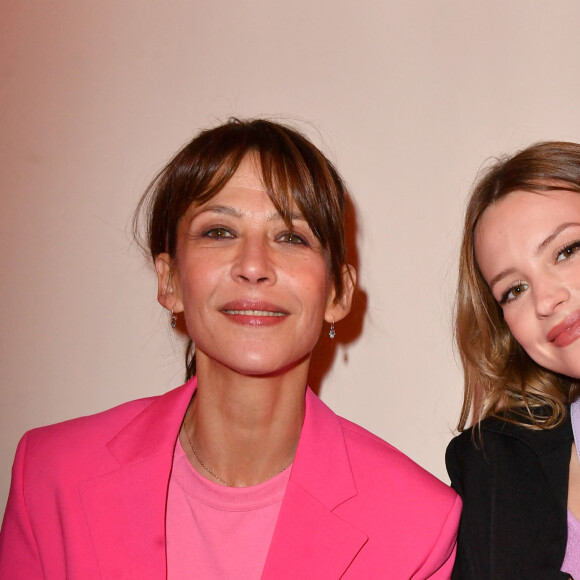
552 448
320 481
544 442
155 429
125 508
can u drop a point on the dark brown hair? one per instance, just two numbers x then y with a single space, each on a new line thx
293 169
500 379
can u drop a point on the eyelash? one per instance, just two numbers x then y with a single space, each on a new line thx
297 240
505 299
214 235
571 248
221 233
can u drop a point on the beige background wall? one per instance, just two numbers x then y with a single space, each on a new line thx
408 98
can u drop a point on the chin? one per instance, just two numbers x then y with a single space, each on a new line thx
253 362
573 373
267 368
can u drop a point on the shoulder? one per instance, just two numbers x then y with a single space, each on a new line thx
495 440
400 505
373 461
397 495
370 455
99 426
513 483
505 469
77 448
102 426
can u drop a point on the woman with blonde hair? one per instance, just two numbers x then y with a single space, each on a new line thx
517 328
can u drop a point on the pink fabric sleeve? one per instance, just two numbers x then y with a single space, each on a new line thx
19 558
439 564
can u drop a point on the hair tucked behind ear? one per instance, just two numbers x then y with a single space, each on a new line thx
500 379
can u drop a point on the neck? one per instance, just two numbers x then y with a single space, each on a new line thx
245 429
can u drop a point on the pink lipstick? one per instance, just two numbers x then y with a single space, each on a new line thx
567 331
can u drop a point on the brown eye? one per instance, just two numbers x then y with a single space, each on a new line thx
567 252
292 238
218 234
513 292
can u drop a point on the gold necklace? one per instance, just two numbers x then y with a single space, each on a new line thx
204 465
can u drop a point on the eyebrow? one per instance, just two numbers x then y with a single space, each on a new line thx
232 211
555 234
221 209
541 246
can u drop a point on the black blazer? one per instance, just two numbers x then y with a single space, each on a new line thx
514 486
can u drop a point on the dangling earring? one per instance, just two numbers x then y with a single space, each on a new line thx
331 332
173 319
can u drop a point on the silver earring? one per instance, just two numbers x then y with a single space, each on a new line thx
173 319
331 332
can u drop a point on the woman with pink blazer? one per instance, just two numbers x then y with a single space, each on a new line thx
242 472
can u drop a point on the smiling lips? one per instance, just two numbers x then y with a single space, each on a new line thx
567 331
254 314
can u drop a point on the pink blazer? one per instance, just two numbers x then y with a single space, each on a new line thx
88 501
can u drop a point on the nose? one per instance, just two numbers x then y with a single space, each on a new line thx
253 262
549 294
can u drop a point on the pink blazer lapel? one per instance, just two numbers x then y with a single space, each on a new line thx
125 508
310 541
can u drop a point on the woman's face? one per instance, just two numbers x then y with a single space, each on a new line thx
527 247
254 292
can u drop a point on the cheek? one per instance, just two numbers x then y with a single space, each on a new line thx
317 286
514 324
525 331
196 282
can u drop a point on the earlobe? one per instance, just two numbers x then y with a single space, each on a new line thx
166 291
337 309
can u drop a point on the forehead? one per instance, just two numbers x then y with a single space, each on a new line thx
247 187
248 175
526 210
247 192
520 221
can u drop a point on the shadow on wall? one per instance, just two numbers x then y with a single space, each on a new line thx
349 329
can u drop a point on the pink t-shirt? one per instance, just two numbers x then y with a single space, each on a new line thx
571 563
215 531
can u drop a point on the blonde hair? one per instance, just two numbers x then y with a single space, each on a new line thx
500 379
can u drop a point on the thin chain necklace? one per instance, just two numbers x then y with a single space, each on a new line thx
204 465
